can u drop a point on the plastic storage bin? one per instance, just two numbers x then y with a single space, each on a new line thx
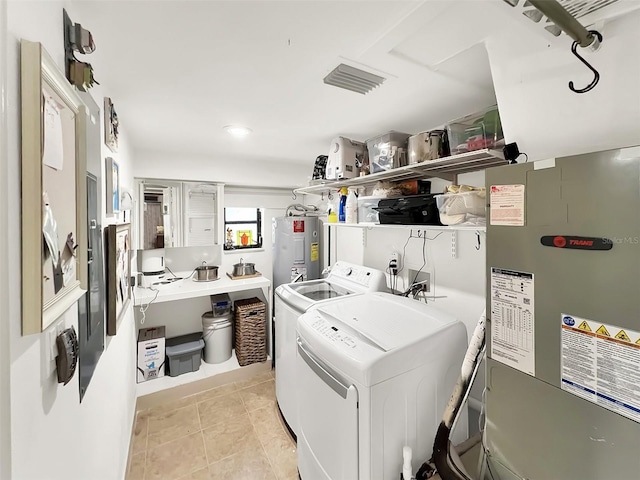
366 209
387 151
184 353
475 132
218 337
462 207
220 305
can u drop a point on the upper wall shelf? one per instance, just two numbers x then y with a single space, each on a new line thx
446 168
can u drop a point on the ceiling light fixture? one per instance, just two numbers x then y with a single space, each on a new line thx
237 131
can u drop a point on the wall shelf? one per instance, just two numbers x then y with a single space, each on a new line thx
447 168
454 228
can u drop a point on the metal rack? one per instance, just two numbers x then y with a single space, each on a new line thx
447 168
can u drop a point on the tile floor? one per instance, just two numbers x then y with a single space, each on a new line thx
232 432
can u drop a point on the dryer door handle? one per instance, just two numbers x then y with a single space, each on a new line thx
325 375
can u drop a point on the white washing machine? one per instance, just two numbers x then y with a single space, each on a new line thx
374 373
291 301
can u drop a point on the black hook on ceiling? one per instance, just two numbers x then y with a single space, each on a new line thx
595 72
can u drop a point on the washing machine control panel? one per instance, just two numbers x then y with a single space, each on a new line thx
355 274
332 332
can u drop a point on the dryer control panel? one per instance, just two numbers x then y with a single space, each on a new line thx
332 332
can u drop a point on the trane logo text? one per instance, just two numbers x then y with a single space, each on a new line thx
581 243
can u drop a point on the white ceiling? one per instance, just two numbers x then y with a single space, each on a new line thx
178 71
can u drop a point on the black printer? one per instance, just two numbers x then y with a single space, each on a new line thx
409 210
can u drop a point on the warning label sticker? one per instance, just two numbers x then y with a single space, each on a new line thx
601 368
314 252
507 205
584 326
512 314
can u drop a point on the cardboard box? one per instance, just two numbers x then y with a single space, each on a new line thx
151 353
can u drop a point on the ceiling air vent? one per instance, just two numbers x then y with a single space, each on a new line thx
353 79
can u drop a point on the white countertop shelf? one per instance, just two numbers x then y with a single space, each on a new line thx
446 167
471 228
188 288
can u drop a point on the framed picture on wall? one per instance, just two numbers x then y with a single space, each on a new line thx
110 125
118 247
112 178
54 198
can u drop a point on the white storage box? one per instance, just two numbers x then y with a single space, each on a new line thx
151 348
462 207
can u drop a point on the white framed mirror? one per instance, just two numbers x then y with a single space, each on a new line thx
178 213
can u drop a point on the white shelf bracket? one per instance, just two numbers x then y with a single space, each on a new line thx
454 244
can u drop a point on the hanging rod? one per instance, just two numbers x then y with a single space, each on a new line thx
566 22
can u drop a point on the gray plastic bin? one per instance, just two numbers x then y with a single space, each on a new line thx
184 354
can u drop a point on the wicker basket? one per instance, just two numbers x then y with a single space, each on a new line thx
251 329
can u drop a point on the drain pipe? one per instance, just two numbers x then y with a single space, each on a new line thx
446 462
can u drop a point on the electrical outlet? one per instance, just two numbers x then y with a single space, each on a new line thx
394 264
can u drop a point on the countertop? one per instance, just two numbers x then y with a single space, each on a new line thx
188 288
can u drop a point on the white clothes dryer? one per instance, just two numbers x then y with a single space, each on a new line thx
374 374
291 301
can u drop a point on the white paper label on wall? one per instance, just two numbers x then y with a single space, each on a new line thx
507 205
512 319
599 363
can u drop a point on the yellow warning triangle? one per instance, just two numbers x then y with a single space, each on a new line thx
602 331
622 335
638 341
584 326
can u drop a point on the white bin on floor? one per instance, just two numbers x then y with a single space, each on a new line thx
217 335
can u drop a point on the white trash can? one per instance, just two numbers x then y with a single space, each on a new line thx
217 336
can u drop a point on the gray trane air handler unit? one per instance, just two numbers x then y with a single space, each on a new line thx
296 249
563 318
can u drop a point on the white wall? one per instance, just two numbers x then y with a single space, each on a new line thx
53 435
202 168
5 357
543 116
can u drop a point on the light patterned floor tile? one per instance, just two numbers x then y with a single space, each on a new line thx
215 392
168 407
220 409
140 430
177 458
247 465
282 455
137 467
255 380
259 396
266 423
202 474
172 425
228 438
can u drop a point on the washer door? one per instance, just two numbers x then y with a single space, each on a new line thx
327 421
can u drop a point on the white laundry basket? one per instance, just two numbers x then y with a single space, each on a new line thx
217 333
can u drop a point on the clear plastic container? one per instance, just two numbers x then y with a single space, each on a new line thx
456 208
366 212
220 304
387 151
475 132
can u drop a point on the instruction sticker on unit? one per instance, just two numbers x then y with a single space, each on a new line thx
600 364
507 205
314 252
512 319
